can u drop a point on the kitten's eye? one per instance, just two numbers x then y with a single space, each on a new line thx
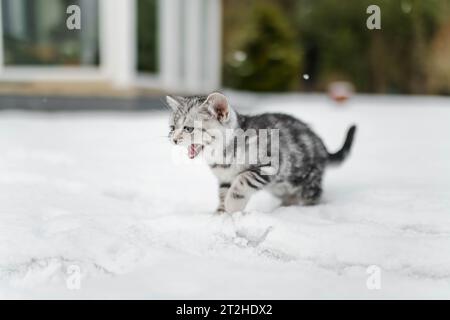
172 128
188 129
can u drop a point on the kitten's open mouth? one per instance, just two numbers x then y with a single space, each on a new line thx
194 150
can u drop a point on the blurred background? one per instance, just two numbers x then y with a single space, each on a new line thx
328 40
130 51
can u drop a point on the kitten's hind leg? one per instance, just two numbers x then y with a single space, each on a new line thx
290 200
223 189
286 192
311 190
311 195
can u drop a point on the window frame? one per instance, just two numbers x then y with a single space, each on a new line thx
52 73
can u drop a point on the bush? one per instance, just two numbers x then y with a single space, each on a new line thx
268 59
408 55
338 46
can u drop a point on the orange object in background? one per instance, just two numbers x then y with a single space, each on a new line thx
341 91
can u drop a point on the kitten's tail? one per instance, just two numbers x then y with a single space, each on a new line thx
339 157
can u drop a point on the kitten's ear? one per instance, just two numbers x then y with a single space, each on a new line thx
174 102
217 106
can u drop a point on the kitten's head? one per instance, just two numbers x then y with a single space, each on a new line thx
199 121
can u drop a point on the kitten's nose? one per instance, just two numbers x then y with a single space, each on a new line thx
175 140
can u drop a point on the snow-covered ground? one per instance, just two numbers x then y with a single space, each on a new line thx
102 192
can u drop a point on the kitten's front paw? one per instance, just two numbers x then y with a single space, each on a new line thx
234 205
220 210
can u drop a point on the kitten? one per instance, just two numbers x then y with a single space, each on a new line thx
248 153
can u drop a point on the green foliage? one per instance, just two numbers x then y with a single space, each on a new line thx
268 59
332 38
392 59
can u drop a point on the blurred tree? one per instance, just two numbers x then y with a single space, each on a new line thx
438 70
267 59
331 33
334 43
392 59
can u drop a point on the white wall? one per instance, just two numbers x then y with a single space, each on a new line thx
118 46
190 61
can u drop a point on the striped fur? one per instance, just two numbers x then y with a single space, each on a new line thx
299 154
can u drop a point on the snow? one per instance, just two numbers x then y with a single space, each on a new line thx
107 193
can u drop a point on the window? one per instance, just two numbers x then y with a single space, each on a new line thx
35 33
147 41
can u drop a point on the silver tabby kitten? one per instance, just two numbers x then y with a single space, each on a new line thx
248 153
